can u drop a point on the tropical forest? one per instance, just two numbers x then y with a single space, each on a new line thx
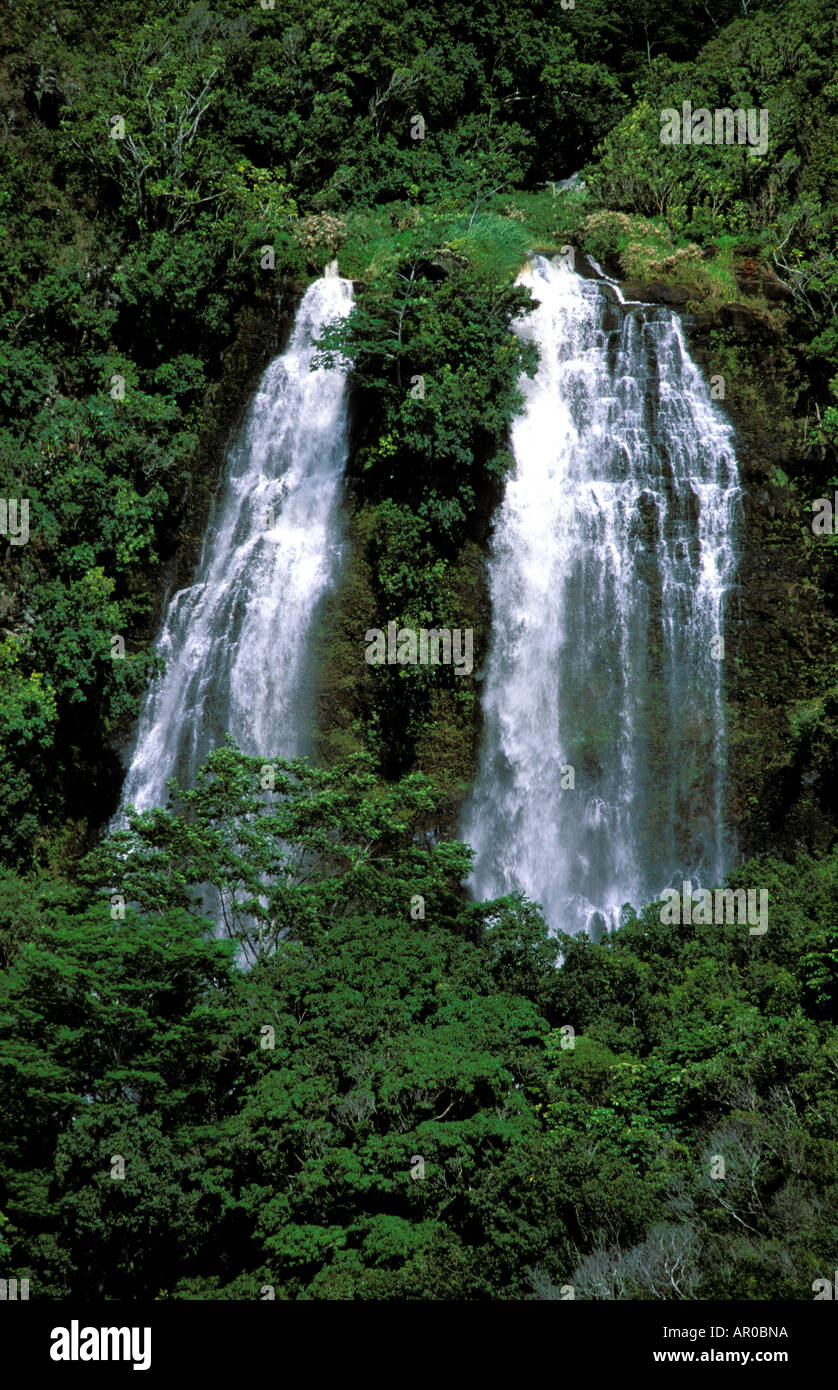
419 650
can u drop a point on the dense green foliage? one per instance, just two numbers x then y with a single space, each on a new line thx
779 206
402 1100
366 1088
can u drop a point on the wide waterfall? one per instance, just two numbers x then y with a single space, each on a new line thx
237 642
613 557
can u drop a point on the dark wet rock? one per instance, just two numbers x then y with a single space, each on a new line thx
745 322
656 292
752 278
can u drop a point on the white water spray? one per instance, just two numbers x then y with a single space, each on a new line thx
237 642
602 770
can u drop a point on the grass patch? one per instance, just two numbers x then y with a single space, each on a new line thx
494 241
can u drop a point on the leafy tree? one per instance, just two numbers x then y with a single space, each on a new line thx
287 848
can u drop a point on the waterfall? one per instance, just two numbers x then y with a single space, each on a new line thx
601 777
236 642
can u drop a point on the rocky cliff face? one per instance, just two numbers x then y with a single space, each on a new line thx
781 679
781 657
781 673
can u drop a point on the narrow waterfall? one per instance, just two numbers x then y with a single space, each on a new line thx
236 642
602 770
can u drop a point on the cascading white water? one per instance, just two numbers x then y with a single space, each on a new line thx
236 643
602 770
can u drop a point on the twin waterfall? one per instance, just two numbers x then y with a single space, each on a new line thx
236 644
602 769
